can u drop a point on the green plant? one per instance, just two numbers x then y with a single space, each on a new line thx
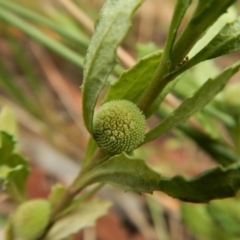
135 95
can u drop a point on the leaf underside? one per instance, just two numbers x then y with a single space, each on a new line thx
193 104
128 173
212 184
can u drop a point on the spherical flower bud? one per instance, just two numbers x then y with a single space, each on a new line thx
119 126
31 218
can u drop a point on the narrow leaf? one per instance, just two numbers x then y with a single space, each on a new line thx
198 221
126 172
217 220
217 150
36 17
57 192
41 37
134 81
193 104
226 41
206 13
112 26
179 11
212 184
229 16
83 216
226 213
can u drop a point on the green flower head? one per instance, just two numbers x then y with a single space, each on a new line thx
119 126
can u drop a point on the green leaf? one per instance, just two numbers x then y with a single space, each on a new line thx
193 104
226 214
206 13
128 173
134 81
198 220
217 220
57 192
36 34
112 26
32 16
225 42
220 153
13 167
229 16
8 122
142 50
84 216
179 11
212 184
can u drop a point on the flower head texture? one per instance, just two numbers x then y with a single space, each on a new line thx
119 126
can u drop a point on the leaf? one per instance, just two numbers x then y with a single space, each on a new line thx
33 16
206 13
14 166
229 16
179 11
126 172
134 81
112 26
220 153
198 220
57 191
41 37
225 213
193 104
225 42
212 184
83 216
217 220
8 122
142 50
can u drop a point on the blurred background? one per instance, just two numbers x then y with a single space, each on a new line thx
42 49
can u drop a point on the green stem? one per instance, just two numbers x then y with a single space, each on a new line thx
81 182
69 195
157 84
99 157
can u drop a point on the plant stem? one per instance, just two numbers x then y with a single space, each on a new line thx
157 84
64 202
80 182
78 185
97 158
